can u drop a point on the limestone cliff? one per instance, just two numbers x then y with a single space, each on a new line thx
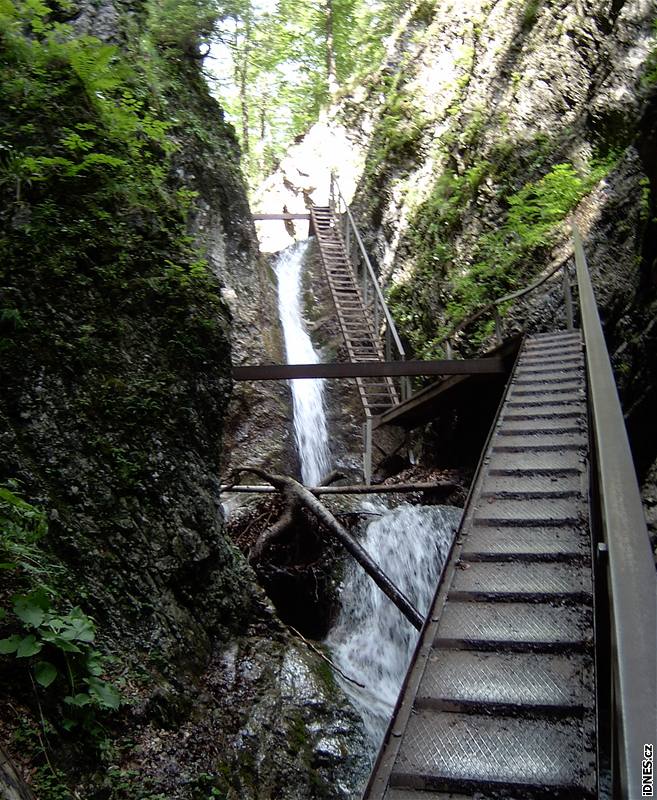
497 125
123 221
490 128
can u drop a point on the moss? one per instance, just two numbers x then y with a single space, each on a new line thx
398 134
443 290
424 12
530 14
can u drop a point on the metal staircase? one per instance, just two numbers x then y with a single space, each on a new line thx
501 697
361 337
535 675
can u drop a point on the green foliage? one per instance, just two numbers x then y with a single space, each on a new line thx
84 177
65 639
280 82
501 260
398 135
650 76
57 647
182 26
22 527
530 13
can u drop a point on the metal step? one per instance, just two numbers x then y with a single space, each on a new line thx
522 581
507 679
515 626
458 750
533 543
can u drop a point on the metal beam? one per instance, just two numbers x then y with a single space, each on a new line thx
263 217
369 369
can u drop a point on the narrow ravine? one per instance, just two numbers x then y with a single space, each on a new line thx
310 428
371 641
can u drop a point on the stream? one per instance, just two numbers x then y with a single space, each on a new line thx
310 429
371 641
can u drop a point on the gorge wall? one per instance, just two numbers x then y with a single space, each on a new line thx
496 125
125 234
128 261
493 126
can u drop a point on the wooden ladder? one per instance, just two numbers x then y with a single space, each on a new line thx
361 339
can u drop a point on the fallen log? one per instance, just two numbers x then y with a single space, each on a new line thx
355 489
12 786
299 495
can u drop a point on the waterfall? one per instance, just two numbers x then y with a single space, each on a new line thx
310 428
371 641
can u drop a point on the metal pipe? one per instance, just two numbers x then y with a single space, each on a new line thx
631 569
568 298
498 326
367 451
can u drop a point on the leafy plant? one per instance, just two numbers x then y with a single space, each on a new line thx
56 647
22 527
441 292
59 646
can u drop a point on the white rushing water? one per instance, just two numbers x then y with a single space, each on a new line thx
310 429
371 641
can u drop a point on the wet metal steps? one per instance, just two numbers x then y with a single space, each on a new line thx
358 329
499 700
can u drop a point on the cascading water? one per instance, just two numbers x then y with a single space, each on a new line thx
372 642
310 429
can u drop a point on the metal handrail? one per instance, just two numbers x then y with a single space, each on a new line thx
631 574
375 283
495 304
338 203
337 198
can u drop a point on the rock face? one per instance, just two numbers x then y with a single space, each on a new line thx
491 127
115 335
495 126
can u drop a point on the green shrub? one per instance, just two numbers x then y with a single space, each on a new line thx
441 293
56 647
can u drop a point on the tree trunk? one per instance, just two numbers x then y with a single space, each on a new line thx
296 494
375 488
12 786
331 71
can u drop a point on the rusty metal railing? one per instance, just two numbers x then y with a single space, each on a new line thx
493 308
627 567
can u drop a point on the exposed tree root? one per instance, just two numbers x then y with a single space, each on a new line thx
296 495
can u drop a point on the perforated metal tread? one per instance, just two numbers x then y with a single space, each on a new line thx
412 794
528 510
510 679
515 580
563 543
533 459
514 625
534 481
443 748
500 699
